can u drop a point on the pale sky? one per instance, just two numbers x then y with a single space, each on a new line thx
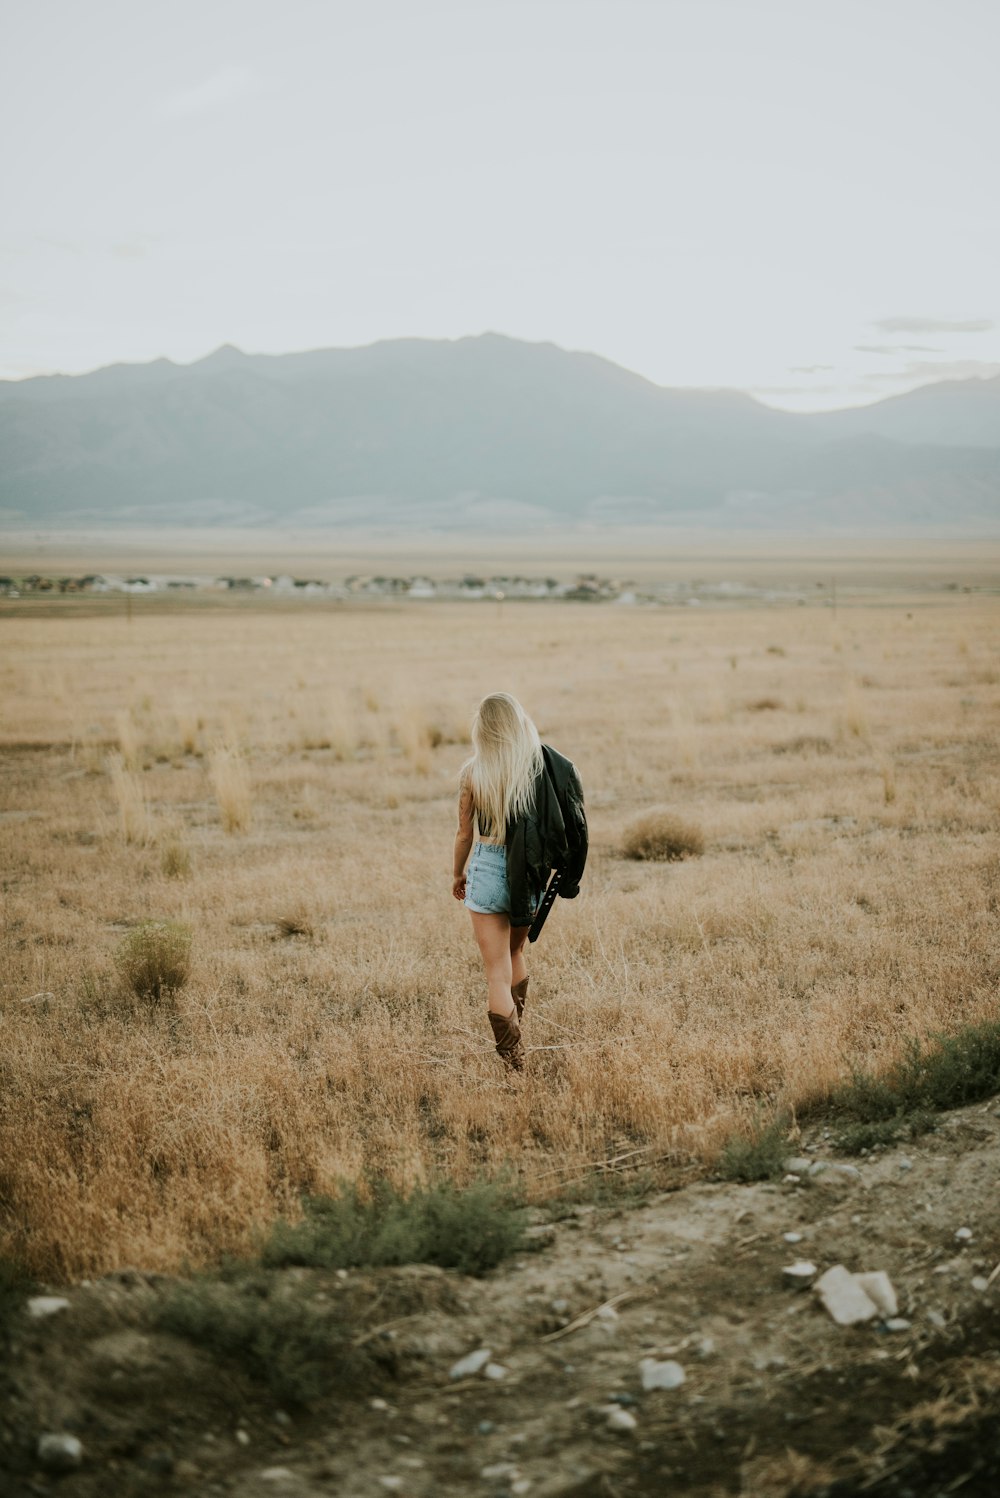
792 197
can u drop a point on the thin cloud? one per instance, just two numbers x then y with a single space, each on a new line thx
933 325
945 369
809 368
896 348
225 86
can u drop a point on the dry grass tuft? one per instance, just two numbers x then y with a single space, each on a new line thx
662 835
134 816
230 777
765 705
175 860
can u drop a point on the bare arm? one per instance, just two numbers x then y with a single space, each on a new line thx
463 840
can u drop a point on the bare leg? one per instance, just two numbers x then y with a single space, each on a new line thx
518 941
493 933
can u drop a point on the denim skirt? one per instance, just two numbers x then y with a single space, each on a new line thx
486 887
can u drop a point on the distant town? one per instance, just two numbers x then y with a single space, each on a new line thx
584 587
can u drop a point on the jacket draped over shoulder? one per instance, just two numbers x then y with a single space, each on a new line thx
552 835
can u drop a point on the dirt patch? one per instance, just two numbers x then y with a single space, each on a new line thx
777 1399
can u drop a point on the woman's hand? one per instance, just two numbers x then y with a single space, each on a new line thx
458 886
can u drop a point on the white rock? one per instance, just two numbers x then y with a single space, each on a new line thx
500 1471
905 1163
522 1485
817 1167
849 1172
471 1364
46 1305
844 1298
897 1324
878 1287
980 1283
936 1319
657 1375
621 1420
792 1237
378 1404
800 1273
392 1483
964 1235
706 1347
797 1165
607 1313
495 1371
790 1180
242 1438
277 1474
59 1452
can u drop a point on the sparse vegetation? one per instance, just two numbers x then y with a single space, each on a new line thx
134 816
376 1224
154 960
662 835
756 1154
175 860
827 922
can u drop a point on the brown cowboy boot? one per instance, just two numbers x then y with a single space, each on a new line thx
519 992
507 1034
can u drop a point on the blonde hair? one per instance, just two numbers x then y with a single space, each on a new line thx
507 760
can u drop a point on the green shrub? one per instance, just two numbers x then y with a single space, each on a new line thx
757 1156
302 1351
661 835
471 1230
154 959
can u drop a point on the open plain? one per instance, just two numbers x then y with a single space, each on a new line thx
279 780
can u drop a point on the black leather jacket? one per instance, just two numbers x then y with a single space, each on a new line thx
553 835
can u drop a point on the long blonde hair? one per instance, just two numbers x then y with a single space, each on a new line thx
506 763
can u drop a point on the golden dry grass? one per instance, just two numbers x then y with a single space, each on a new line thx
334 1018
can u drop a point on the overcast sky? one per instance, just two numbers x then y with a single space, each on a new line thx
792 197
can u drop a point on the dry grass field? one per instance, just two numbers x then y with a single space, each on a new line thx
282 782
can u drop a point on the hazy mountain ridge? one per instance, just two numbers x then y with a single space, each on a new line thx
480 432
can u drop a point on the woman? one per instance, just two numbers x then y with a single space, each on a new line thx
526 803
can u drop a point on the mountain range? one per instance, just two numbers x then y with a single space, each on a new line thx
477 434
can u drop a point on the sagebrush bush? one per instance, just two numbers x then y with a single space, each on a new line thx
155 958
470 1230
660 834
755 1156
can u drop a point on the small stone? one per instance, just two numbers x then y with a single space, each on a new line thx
849 1172
495 1371
790 1180
500 1472
797 1165
59 1452
242 1438
706 1347
620 1420
607 1313
277 1474
817 1167
980 1283
281 1418
878 1287
560 1306
522 1485
964 1235
485 1428
905 1163
625 1400
897 1324
792 1237
802 1272
46 1305
657 1375
936 1319
844 1298
471 1364
392 1483
378 1404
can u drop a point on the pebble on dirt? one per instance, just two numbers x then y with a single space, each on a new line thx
46 1305
800 1273
59 1452
471 1364
620 1420
844 1298
657 1375
878 1287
